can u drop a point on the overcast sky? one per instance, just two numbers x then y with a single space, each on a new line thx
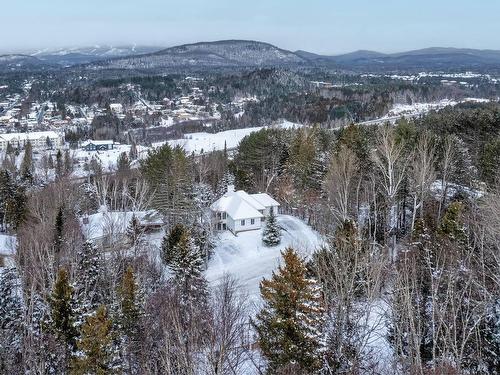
321 26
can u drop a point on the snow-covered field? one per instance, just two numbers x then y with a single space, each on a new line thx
108 159
421 108
245 258
418 109
206 142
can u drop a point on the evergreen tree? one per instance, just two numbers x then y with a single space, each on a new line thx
59 165
134 231
11 323
129 304
68 163
62 313
6 194
95 346
187 267
451 225
58 234
51 162
170 241
169 172
27 167
16 210
87 289
271 235
123 165
129 318
289 325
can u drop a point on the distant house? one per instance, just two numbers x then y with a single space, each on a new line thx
239 211
91 145
116 108
110 227
38 140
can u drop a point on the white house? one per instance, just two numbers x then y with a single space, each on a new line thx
38 140
239 211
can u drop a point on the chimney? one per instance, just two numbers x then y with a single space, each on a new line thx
230 188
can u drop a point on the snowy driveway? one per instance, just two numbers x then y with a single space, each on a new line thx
245 258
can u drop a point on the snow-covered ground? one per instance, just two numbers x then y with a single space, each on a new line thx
418 109
104 222
108 159
7 245
452 189
245 258
206 142
7 250
421 108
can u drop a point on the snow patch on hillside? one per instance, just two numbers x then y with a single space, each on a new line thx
203 142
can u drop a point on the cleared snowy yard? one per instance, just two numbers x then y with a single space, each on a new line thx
245 258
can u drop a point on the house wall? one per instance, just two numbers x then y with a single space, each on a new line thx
36 143
248 226
230 223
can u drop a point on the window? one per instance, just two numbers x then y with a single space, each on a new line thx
224 215
262 219
242 222
252 221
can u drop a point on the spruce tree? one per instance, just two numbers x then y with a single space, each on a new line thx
95 348
129 319
59 165
170 241
68 163
271 235
16 210
27 167
187 269
58 234
6 194
134 231
289 325
87 288
62 313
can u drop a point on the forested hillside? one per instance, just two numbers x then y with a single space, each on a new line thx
406 280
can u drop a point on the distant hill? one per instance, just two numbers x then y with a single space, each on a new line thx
247 54
427 58
84 55
17 62
226 53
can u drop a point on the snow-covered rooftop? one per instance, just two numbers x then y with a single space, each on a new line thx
92 142
241 205
33 135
